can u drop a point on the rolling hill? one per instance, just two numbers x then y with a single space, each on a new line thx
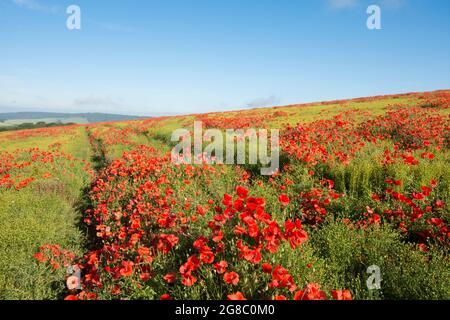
16 118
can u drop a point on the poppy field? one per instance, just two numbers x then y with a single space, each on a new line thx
99 211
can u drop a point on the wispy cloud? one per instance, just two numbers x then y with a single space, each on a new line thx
393 4
342 4
93 101
263 102
116 27
35 5
348 4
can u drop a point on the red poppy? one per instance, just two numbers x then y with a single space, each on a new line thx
253 203
376 197
313 292
136 224
167 242
241 192
221 267
145 276
40 257
341 294
299 295
231 278
218 236
266 268
115 291
201 211
227 199
236 296
284 200
186 271
200 243
127 269
207 256
165 297
170 277
439 204
143 251
188 280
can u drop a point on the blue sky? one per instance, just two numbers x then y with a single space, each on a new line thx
188 56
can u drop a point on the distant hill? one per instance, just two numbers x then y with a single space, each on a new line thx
15 118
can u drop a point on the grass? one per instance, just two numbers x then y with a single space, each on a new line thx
347 252
43 213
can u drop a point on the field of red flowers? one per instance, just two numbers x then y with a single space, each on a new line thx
362 183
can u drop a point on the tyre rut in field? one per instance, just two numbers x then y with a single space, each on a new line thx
99 160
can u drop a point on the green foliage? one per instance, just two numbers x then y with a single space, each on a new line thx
25 126
406 273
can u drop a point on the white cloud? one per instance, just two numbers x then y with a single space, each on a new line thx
342 4
116 27
263 102
36 6
346 4
393 4
93 101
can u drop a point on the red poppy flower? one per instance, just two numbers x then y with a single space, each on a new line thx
71 297
439 204
299 295
165 297
167 242
284 199
127 269
200 243
221 267
227 199
236 296
170 277
266 268
341 294
376 197
191 265
207 256
143 251
313 292
433 183
188 280
253 203
423 247
239 205
281 278
231 278
218 236
201 211
136 224
241 192
115 291
40 257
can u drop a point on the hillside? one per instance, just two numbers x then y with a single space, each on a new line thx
362 188
15 118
